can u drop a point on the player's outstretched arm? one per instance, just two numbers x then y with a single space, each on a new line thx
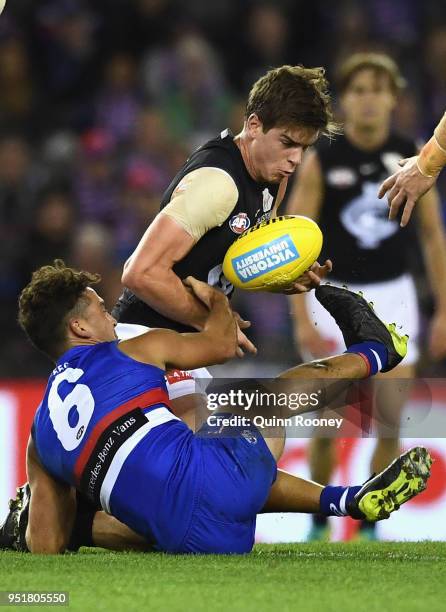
417 176
52 509
216 343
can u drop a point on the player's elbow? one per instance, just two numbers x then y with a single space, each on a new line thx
130 275
136 277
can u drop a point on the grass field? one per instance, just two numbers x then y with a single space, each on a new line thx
317 577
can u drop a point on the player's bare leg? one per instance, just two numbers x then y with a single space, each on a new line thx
321 458
293 494
372 346
330 378
390 398
391 391
108 532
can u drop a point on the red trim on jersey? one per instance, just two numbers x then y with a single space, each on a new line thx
146 399
175 376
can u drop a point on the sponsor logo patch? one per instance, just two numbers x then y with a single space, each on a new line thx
239 223
275 254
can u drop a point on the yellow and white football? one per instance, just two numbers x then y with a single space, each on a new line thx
273 254
2 5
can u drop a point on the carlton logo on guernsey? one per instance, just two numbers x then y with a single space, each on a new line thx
99 405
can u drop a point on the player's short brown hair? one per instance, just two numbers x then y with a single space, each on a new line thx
290 96
55 293
379 63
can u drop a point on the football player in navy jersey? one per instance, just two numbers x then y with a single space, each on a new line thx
105 428
227 185
337 186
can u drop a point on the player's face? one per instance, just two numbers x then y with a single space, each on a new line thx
369 100
275 154
100 322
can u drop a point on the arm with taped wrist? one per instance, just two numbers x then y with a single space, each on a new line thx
432 157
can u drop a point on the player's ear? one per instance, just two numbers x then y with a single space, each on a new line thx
78 327
254 125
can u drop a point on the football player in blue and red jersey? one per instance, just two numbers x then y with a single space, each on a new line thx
104 426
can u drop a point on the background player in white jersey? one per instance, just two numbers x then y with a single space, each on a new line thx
337 185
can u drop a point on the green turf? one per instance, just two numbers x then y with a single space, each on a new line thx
317 577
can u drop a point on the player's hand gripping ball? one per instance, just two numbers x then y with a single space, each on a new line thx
273 254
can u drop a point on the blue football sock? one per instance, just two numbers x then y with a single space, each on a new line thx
334 500
374 353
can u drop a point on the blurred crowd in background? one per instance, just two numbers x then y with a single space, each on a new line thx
101 101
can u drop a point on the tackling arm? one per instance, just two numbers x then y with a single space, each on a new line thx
169 349
52 508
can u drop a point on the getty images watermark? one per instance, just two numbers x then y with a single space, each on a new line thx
259 401
327 407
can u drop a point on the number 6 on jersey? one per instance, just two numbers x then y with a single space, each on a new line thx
81 398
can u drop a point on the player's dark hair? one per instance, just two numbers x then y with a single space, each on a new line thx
290 96
54 294
380 63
